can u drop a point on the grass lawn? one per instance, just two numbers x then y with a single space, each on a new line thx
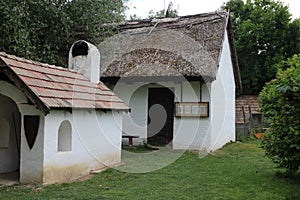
238 171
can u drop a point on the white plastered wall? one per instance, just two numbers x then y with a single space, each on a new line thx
223 101
96 143
31 160
31 167
189 133
192 132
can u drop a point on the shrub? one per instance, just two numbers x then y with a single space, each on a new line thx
280 103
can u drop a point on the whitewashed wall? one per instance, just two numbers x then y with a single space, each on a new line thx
30 161
192 133
189 133
136 96
223 101
31 166
96 143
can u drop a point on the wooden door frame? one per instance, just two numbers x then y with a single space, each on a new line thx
170 112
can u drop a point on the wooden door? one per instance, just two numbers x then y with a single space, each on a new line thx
160 116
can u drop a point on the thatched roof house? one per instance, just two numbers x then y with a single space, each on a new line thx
181 71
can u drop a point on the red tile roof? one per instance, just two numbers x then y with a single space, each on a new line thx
52 87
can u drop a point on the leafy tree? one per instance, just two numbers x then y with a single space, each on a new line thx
170 12
49 28
162 14
158 14
294 33
280 105
135 17
88 15
264 36
43 30
34 29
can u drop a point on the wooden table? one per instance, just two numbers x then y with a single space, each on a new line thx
130 138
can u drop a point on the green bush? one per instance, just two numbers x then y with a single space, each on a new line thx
280 103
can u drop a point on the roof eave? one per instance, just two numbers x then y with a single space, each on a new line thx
150 79
234 57
4 68
70 109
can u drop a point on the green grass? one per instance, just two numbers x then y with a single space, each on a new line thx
238 171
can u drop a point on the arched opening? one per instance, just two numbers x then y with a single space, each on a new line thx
64 137
10 134
4 133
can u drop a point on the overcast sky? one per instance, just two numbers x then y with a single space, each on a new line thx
189 7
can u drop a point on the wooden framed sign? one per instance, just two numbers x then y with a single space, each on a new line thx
189 109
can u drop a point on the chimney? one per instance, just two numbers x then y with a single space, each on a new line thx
85 58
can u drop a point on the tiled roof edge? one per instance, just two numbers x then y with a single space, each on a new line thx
28 61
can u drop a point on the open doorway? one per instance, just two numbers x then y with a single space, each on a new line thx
10 133
160 116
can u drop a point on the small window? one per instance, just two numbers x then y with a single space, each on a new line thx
65 137
4 133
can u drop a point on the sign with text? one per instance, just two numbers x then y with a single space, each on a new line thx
189 109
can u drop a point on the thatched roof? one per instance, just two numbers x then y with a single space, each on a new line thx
187 46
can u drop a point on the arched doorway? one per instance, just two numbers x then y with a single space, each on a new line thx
10 133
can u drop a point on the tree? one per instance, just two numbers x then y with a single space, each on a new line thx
44 30
170 12
134 17
280 105
264 36
88 15
34 29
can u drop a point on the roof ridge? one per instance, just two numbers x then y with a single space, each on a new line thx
29 61
165 19
206 14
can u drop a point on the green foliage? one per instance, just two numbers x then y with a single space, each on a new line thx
264 36
170 12
158 14
162 14
280 104
43 30
87 16
33 29
135 17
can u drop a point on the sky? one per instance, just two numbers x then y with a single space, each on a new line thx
189 7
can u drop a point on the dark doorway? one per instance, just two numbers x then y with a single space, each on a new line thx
160 116
10 136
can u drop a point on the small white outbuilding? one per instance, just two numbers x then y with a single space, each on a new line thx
57 124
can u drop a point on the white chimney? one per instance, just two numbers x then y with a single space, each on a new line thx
85 58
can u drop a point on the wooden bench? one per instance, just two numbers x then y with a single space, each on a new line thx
130 138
